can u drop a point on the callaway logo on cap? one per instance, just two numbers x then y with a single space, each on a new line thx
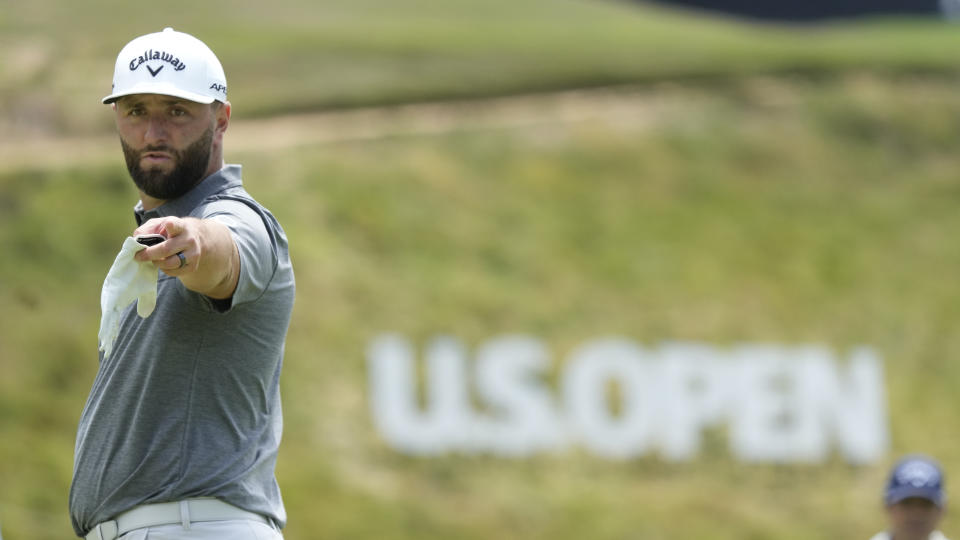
170 63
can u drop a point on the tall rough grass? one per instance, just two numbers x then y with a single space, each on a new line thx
789 210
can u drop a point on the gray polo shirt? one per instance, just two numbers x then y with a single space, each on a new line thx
188 403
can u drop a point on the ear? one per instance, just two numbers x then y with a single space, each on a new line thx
222 117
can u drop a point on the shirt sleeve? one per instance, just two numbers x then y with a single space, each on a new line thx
258 258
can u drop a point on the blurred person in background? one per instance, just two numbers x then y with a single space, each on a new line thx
914 500
179 436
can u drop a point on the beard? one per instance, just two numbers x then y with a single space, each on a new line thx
191 166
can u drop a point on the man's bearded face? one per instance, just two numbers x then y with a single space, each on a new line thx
190 167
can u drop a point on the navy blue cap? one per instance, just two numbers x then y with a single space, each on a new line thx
915 476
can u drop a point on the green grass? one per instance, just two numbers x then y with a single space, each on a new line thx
816 205
56 57
787 210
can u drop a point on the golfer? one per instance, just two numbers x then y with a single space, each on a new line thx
179 436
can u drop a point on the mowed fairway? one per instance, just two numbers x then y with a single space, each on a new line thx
56 57
756 207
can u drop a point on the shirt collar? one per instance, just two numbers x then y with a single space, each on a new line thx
227 177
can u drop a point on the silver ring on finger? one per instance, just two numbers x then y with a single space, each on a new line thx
183 260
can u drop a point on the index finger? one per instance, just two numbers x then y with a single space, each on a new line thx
151 226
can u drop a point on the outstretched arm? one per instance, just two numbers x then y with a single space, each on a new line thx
212 261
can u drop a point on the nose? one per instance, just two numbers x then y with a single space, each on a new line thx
156 131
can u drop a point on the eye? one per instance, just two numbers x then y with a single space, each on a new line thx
135 111
179 112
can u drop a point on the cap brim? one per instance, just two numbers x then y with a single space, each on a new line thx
897 495
162 89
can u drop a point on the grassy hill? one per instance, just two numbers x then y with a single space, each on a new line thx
56 57
793 208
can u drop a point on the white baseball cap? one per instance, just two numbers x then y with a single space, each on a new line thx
170 63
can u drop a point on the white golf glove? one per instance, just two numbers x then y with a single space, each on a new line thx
127 280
